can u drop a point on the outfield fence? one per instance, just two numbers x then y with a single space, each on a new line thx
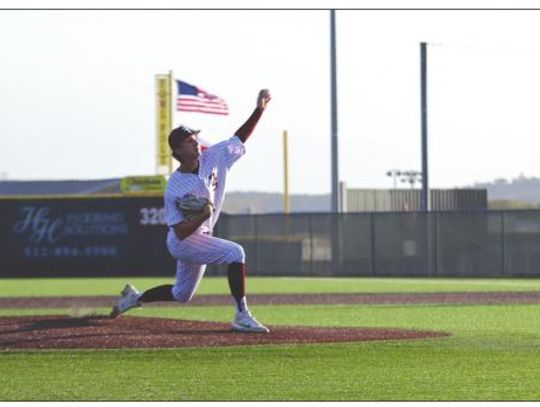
121 236
467 244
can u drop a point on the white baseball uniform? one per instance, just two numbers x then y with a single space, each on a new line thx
200 248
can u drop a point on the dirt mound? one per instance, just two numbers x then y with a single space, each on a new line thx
64 332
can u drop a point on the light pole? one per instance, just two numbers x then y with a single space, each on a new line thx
412 177
409 176
424 199
334 115
394 174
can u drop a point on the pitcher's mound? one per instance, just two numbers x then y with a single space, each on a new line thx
64 332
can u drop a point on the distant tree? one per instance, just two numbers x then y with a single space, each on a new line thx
510 204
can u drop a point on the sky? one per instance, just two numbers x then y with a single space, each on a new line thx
77 92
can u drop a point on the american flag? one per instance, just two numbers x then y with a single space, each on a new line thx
193 99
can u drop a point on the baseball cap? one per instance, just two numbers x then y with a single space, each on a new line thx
180 133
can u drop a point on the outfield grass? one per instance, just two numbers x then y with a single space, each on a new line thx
492 354
264 285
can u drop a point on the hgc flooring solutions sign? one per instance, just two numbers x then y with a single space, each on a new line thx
84 237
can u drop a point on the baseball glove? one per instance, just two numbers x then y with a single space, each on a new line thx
191 205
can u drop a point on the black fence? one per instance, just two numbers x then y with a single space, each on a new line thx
126 237
399 244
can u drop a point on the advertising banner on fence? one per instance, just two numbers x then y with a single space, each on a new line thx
149 185
84 237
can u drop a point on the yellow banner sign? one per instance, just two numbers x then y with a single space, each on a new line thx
163 123
152 184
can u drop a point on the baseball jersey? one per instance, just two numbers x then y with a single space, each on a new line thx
209 183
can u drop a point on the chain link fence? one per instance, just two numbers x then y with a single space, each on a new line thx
126 236
400 244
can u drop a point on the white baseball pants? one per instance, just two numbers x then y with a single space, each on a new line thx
193 253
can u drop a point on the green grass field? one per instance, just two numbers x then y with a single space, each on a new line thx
492 353
11 287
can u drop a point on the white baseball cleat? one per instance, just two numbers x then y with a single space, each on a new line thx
244 322
128 300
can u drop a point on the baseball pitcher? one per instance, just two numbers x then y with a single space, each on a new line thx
193 199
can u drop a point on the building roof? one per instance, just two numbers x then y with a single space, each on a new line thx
60 187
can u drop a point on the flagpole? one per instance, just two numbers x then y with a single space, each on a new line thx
173 97
285 173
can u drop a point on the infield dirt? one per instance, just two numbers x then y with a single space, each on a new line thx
100 332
